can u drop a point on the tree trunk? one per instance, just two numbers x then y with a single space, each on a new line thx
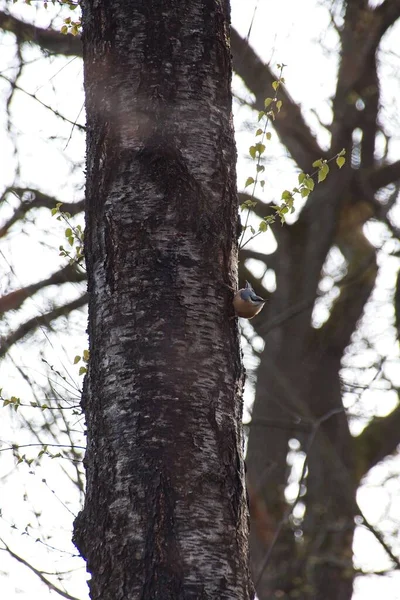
298 382
165 514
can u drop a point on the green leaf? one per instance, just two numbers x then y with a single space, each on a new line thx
305 192
268 135
249 181
340 161
64 29
77 359
261 114
279 105
252 151
86 355
323 172
302 177
286 195
309 183
260 168
267 102
318 163
262 183
82 370
250 203
68 232
260 148
275 85
263 226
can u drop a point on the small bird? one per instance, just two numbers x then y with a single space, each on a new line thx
246 302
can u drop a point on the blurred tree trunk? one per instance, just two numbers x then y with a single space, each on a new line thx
165 513
298 380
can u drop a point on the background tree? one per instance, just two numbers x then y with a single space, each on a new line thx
330 338
299 378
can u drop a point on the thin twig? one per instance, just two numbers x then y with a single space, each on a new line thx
37 572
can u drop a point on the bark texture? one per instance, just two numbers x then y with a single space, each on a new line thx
165 513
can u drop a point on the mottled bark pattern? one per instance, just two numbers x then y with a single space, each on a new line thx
165 514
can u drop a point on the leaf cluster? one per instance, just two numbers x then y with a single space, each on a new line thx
85 359
306 183
74 235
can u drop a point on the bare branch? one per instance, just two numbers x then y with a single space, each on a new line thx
298 424
40 321
379 536
38 573
48 39
15 447
379 440
13 300
385 175
36 200
34 97
389 12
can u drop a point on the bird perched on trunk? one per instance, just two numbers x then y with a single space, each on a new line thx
246 302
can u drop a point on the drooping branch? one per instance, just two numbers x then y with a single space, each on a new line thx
44 320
